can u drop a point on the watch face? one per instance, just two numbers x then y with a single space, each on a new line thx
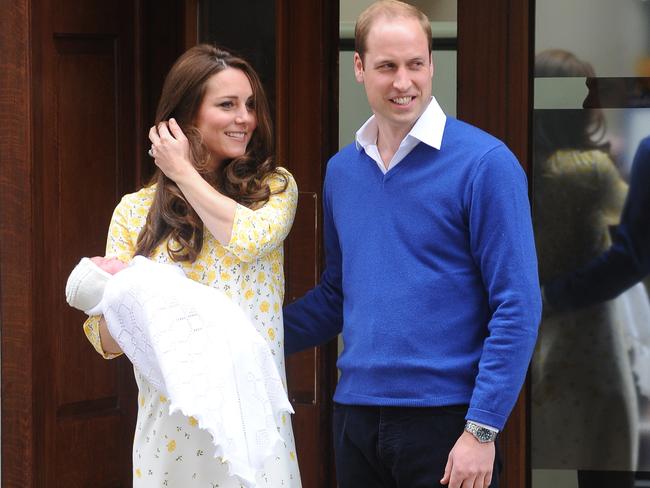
481 433
484 434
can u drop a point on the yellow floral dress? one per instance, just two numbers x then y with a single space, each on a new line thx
170 450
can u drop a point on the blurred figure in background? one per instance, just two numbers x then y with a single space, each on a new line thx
584 403
625 262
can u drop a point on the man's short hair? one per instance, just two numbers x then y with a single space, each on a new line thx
388 9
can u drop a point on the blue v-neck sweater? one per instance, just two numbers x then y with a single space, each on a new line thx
431 275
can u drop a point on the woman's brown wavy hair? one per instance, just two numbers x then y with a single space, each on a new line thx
244 179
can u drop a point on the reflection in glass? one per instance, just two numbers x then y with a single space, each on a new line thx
596 318
612 35
589 371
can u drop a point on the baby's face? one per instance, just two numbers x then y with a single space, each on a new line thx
110 265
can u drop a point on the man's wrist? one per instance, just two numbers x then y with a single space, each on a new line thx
486 426
482 433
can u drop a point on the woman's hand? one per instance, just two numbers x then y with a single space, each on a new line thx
171 150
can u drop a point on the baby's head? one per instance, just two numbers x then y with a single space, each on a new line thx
110 265
85 287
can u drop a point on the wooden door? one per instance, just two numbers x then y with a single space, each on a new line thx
67 416
495 50
307 136
294 51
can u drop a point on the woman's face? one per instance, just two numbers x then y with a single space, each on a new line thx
226 117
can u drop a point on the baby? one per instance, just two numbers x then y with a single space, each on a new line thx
85 287
195 346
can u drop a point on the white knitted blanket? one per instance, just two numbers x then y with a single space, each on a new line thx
198 347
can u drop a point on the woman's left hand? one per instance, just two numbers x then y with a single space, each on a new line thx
170 149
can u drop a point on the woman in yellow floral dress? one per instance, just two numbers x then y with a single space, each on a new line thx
219 208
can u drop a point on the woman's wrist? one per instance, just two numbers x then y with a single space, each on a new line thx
184 173
109 345
187 176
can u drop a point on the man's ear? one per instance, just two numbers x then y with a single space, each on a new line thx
431 67
358 67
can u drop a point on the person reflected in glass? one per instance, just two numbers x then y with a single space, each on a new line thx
625 262
584 405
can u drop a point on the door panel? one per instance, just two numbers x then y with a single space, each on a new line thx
306 124
84 160
16 233
87 408
85 96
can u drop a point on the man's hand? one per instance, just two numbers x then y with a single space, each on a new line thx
470 463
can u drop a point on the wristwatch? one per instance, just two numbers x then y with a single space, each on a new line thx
482 434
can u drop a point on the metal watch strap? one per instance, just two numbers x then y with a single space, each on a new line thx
482 434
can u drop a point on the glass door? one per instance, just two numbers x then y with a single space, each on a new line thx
590 392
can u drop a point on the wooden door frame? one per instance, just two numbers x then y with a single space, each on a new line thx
495 86
17 236
306 137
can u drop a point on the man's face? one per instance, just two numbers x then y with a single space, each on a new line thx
396 72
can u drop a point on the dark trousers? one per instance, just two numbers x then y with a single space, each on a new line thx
396 447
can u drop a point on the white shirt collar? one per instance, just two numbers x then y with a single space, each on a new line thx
428 128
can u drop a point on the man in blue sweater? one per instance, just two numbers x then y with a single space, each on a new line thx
431 277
